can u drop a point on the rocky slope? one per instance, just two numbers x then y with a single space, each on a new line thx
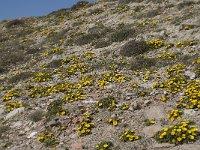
121 75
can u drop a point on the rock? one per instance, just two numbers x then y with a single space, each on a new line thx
190 74
155 112
32 134
14 113
1 112
187 147
89 100
150 131
189 112
162 145
134 106
147 102
16 124
77 146
110 86
73 136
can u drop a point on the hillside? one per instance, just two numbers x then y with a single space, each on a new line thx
110 75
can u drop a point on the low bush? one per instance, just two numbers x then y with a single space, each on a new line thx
141 62
16 22
55 63
19 77
134 48
122 34
79 5
101 43
36 116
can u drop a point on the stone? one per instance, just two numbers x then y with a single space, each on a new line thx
190 74
32 135
147 102
187 147
155 112
73 136
150 131
134 106
1 109
77 146
14 113
189 112
159 146
16 124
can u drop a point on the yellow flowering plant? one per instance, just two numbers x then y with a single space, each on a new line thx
129 135
175 114
48 139
104 145
86 125
108 103
180 133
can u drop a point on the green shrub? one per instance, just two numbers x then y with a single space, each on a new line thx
134 48
122 34
184 4
3 129
36 116
19 77
152 13
13 23
60 12
32 50
141 62
96 11
79 5
122 2
57 36
2 69
86 38
101 43
55 63
55 108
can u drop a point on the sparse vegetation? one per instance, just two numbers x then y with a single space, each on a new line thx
134 48
37 115
83 75
13 23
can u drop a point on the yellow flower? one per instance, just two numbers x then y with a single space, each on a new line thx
105 145
191 137
63 113
173 133
115 123
179 139
165 129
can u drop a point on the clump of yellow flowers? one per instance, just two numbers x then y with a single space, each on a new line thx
55 108
191 97
113 121
167 55
105 145
86 125
185 43
180 133
175 114
10 106
11 94
124 107
157 43
74 96
48 139
122 8
42 77
107 102
129 135
108 77
149 122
